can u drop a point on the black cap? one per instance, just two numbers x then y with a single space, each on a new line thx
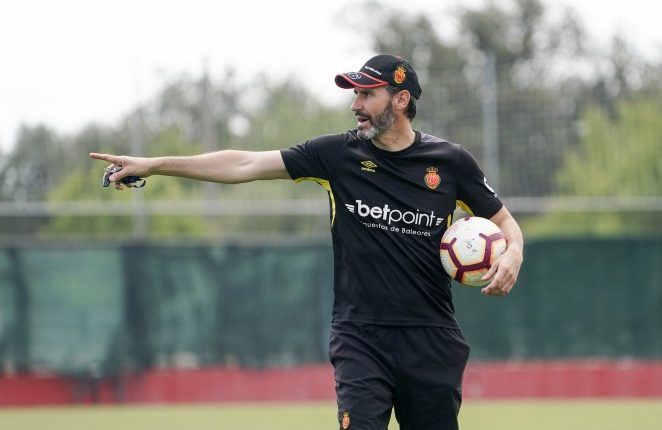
383 70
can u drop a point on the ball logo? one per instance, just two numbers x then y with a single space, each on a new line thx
432 178
399 75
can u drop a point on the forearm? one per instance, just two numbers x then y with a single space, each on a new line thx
228 167
513 235
511 231
221 166
504 271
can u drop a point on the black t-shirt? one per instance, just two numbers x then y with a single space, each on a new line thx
388 213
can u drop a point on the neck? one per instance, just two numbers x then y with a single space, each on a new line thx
400 136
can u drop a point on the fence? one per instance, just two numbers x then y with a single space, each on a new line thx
546 149
104 310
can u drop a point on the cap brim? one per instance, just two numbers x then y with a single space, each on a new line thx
358 79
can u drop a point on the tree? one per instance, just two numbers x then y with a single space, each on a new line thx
615 158
173 124
532 114
33 167
83 184
288 115
534 121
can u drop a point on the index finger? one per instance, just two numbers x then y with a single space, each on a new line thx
107 157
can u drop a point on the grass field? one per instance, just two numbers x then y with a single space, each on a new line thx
506 415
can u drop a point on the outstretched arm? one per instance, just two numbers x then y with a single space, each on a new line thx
227 167
505 270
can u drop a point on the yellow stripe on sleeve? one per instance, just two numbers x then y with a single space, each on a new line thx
464 207
327 186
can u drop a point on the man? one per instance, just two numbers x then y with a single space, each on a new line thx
395 343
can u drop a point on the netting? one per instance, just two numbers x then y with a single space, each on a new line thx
104 310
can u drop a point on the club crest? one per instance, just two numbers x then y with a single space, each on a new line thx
432 178
345 420
399 75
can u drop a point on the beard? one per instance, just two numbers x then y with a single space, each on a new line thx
378 124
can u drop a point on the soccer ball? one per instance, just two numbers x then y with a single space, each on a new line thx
469 248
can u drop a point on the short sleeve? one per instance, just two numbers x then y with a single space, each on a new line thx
473 190
314 159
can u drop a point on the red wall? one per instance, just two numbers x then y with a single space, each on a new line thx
488 380
565 379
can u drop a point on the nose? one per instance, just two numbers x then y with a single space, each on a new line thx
356 104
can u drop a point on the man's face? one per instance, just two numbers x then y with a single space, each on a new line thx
373 110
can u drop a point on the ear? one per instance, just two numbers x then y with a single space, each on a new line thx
401 100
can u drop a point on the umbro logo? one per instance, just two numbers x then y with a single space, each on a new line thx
368 166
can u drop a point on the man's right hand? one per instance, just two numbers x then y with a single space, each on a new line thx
131 166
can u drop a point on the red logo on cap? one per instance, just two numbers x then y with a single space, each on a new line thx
399 75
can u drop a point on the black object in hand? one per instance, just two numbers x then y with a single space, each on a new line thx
129 181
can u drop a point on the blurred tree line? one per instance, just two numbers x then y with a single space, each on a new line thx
541 66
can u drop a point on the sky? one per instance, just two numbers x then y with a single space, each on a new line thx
67 63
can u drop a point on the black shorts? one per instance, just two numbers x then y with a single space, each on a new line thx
417 371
